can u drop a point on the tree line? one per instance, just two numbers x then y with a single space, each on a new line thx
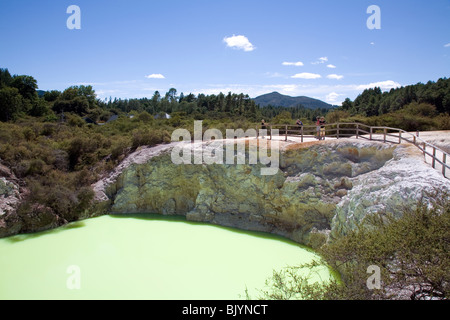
373 102
19 96
200 106
414 107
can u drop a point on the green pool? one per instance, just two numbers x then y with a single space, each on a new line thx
149 257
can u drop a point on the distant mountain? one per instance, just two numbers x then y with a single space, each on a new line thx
279 100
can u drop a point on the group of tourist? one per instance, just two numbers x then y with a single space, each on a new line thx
320 125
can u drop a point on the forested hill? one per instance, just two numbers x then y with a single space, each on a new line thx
279 100
432 98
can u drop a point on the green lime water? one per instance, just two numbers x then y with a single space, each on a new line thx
144 258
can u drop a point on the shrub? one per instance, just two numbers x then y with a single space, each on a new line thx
119 148
284 117
443 122
29 134
420 109
336 116
145 117
48 129
84 200
411 252
36 167
60 160
147 137
74 120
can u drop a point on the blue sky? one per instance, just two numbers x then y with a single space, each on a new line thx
322 49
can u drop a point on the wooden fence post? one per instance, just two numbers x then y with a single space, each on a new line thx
399 137
302 133
357 131
444 160
270 132
286 133
371 133
434 158
385 133
337 133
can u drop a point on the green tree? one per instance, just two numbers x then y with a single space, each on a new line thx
52 95
40 108
89 93
171 95
26 85
145 117
78 105
69 94
283 118
5 78
228 102
11 103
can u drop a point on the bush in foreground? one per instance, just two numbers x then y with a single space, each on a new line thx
411 254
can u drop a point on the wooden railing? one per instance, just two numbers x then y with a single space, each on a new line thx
362 131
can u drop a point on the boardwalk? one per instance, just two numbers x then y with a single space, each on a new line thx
433 155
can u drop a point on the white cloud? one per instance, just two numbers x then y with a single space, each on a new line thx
155 76
372 43
306 75
274 75
447 45
383 85
331 66
321 60
332 97
335 76
239 42
286 88
296 64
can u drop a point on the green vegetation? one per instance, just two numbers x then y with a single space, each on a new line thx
58 143
411 252
420 107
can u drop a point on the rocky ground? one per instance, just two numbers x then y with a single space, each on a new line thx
11 193
322 189
9 190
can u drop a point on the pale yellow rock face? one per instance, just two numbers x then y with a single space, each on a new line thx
311 197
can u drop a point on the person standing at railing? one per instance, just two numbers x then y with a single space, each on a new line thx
322 123
263 127
300 125
318 128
